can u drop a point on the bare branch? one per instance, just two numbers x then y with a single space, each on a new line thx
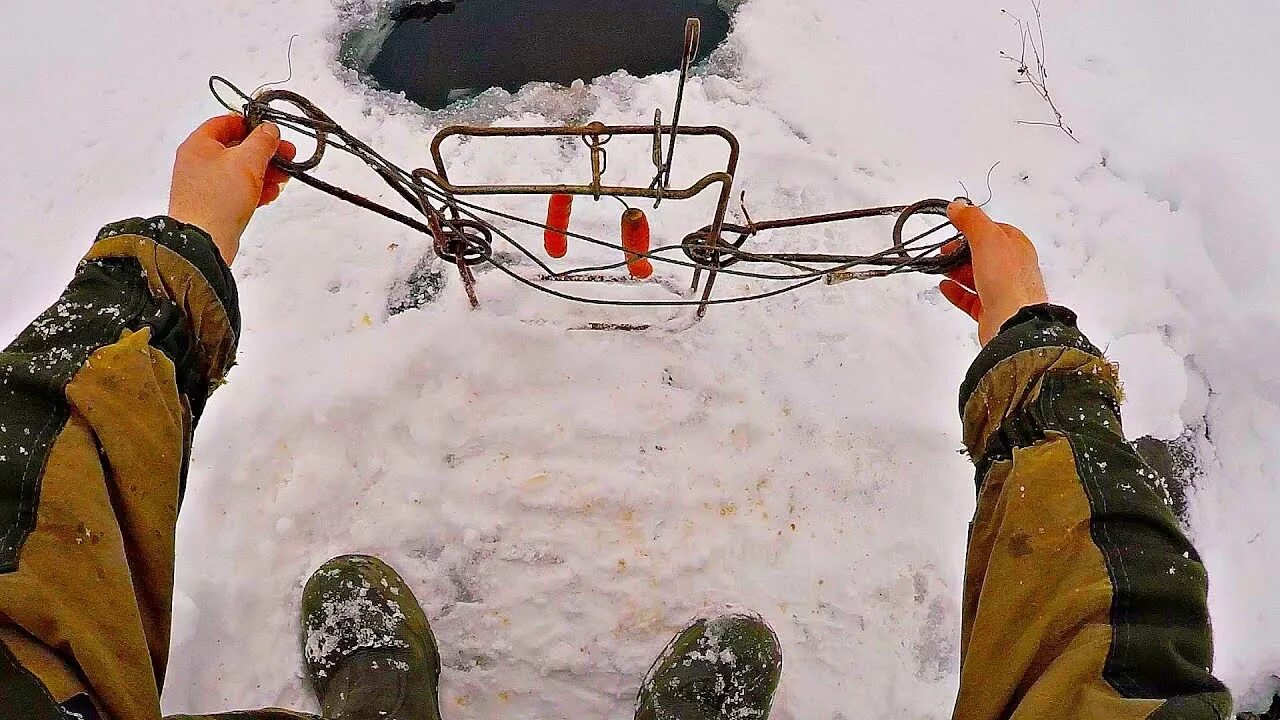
1035 75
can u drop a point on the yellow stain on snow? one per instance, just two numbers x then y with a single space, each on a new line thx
640 622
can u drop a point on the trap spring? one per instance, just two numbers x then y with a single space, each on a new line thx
463 232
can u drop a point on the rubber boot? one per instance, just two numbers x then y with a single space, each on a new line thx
368 648
725 667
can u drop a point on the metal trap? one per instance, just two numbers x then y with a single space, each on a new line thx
464 231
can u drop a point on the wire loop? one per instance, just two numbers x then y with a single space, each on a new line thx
468 240
259 110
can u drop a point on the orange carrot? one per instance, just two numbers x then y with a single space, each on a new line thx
555 239
635 241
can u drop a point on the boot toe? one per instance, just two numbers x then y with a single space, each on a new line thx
726 666
366 642
352 604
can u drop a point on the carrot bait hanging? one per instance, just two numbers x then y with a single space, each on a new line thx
635 241
555 239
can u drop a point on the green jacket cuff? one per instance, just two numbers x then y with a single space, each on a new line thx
1034 326
197 321
194 245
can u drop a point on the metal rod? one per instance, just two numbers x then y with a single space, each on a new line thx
692 39
828 218
441 174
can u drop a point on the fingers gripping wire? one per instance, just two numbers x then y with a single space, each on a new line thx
463 232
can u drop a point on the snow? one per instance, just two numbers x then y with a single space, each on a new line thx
1155 388
563 502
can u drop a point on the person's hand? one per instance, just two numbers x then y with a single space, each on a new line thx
1003 277
223 173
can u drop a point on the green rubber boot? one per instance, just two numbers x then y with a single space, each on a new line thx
368 647
722 668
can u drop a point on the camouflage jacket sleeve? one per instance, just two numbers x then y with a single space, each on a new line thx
98 398
1083 598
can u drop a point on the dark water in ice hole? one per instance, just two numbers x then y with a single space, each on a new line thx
435 55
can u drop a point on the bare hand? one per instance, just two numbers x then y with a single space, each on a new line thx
222 174
1003 277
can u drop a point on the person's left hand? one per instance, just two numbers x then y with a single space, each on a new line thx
223 173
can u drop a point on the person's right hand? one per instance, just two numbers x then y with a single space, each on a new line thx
1003 277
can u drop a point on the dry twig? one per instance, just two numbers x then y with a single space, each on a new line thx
1033 73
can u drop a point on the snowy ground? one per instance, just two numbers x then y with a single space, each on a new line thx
563 502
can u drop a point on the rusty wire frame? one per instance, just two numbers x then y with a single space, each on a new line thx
596 136
465 239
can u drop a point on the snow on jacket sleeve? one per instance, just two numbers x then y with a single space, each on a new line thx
1083 598
98 398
